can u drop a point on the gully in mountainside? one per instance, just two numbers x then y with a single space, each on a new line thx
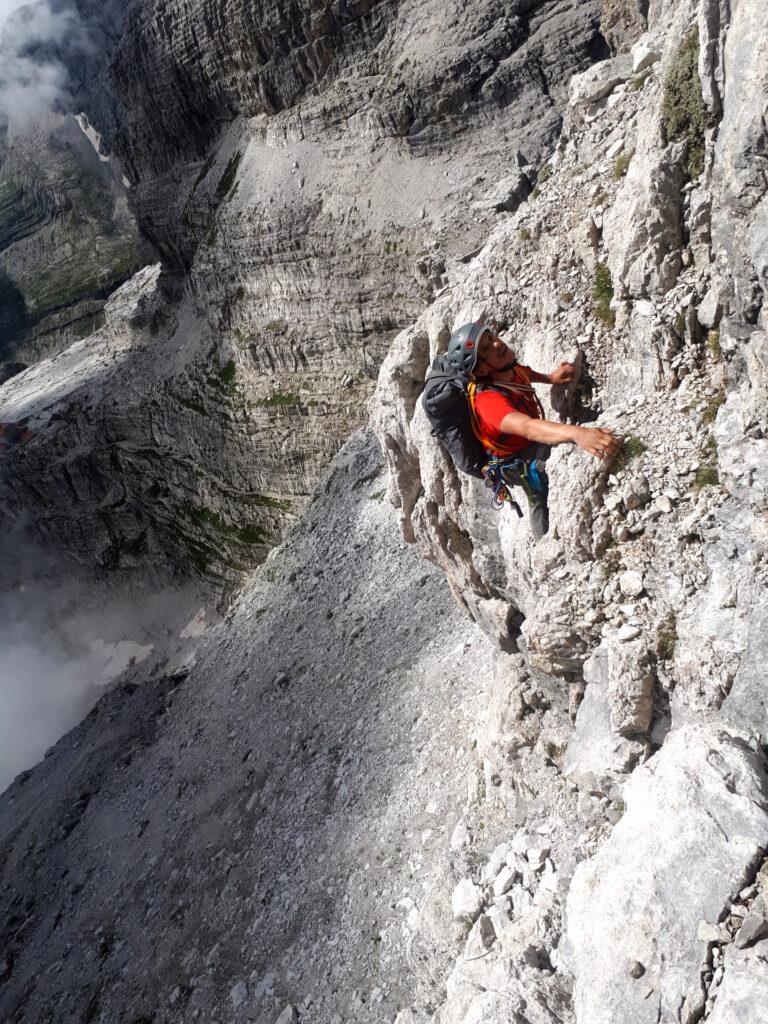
484 409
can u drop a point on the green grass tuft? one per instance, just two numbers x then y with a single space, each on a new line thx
632 448
277 399
712 407
666 637
602 293
621 165
707 476
683 110
276 327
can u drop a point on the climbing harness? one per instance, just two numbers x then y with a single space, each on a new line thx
501 474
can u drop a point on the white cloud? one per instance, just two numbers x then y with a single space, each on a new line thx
8 7
30 86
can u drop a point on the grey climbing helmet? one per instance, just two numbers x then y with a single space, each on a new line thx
463 346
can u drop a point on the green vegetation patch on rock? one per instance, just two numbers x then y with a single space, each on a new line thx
666 637
602 293
632 448
279 398
683 110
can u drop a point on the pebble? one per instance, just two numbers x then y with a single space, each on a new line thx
628 633
636 969
239 994
631 583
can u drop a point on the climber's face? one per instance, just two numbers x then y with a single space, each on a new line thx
493 356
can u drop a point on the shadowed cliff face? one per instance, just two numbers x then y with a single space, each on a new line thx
352 806
311 178
67 238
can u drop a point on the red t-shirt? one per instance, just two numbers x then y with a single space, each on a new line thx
492 406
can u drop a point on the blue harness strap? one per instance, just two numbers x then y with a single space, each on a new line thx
496 476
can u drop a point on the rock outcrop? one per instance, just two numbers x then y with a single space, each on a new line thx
308 178
67 236
357 803
647 597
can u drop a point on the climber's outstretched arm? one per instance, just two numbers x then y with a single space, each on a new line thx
594 440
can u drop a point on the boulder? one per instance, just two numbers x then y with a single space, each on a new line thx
708 313
599 80
695 825
466 901
743 993
644 55
622 22
598 758
631 680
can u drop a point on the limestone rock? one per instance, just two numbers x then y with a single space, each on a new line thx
631 583
755 926
466 901
644 55
597 757
708 312
622 22
600 80
630 688
701 799
743 991
288 1016
740 214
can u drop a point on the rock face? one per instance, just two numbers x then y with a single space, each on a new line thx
67 237
277 798
177 472
307 176
359 804
640 599
701 801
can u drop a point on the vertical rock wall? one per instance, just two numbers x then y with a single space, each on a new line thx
309 177
641 259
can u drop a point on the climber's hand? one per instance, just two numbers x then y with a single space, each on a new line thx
564 374
598 442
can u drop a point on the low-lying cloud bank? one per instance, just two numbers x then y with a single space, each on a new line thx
33 83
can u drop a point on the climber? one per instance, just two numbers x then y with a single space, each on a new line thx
507 418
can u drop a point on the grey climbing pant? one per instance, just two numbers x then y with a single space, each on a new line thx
538 510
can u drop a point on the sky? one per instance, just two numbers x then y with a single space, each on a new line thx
6 6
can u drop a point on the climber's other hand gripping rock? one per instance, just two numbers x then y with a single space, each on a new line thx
597 441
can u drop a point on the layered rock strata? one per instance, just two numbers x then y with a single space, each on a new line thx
647 597
67 237
308 178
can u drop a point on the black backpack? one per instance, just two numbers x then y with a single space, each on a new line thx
447 408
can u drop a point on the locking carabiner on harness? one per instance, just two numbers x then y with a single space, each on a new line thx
500 474
493 475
